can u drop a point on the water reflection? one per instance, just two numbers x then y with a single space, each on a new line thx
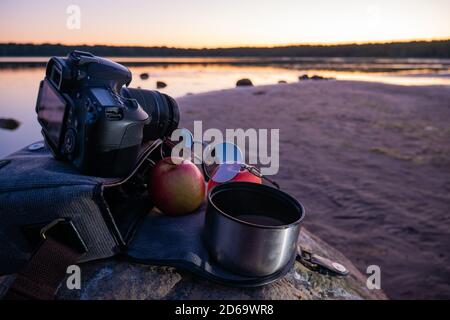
19 86
344 64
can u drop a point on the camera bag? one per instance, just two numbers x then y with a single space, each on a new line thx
45 202
53 217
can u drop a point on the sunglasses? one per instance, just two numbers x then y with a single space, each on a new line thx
228 171
222 169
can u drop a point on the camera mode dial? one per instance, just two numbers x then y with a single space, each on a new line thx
70 141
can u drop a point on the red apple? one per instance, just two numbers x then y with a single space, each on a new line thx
243 176
177 187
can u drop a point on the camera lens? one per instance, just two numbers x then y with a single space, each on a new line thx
161 108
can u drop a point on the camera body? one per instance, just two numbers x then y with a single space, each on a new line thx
90 118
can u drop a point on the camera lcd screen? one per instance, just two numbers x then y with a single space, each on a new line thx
51 108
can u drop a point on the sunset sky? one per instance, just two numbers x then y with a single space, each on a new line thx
203 23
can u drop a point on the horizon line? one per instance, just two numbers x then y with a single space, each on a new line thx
322 44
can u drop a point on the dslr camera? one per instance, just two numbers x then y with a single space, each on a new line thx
91 118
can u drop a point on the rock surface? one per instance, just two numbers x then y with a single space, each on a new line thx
313 77
121 280
244 83
160 84
9 124
114 279
303 77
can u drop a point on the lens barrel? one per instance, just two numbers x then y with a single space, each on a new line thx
161 108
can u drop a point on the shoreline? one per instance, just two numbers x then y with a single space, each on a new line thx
369 161
356 82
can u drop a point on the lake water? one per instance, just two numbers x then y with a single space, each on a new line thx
19 80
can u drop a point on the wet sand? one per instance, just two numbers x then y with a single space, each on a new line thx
370 162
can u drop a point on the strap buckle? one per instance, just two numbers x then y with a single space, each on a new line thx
48 227
61 247
64 231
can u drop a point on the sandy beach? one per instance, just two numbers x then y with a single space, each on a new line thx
370 162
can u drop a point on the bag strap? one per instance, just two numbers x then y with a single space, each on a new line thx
61 247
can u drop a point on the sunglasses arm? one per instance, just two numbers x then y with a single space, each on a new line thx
258 173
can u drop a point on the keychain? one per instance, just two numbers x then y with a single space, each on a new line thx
320 264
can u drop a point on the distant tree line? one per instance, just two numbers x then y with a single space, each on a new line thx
416 49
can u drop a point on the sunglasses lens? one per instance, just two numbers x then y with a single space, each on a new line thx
215 155
225 172
227 153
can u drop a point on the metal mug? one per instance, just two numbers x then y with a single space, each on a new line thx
252 229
